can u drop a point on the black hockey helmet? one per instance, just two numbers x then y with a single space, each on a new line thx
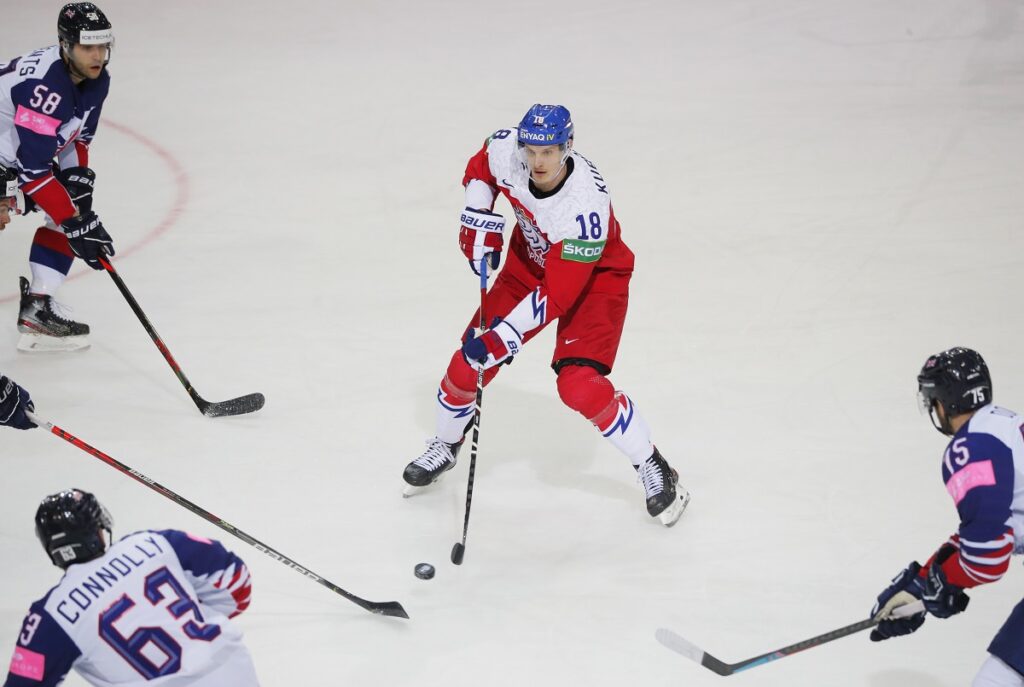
959 380
70 526
84 23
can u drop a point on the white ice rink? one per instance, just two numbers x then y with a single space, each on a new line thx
819 193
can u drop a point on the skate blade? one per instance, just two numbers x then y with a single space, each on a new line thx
670 516
41 343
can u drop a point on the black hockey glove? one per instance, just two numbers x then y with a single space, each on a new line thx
905 588
941 598
88 239
79 183
14 401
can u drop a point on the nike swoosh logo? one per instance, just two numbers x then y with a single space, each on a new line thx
506 182
569 341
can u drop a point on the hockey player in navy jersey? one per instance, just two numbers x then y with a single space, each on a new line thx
50 104
981 467
567 263
151 609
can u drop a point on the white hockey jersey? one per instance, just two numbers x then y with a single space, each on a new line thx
153 610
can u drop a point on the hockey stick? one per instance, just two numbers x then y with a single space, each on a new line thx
459 549
235 406
392 608
681 646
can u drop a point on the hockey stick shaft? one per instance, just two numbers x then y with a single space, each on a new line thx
459 550
679 645
237 406
392 608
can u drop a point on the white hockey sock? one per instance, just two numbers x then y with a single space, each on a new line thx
628 431
45 280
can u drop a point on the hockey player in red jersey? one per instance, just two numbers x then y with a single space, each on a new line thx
567 263
982 468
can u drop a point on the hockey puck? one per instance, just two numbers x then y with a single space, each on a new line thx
424 571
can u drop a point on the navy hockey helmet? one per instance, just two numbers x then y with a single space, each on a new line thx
546 125
959 380
83 23
70 526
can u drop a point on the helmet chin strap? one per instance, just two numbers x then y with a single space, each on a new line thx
942 425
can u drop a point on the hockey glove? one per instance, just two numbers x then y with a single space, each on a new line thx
79 183
14 401
493 347
481 235
88 239
941 598
906 588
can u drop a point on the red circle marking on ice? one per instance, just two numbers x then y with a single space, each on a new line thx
169 219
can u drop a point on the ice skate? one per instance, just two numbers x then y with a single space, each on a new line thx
665 500
429 467
45 325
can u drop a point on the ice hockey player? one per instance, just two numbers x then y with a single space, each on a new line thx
50 104
151 609
14 402
980 467
567 263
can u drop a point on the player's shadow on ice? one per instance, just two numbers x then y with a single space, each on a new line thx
560 446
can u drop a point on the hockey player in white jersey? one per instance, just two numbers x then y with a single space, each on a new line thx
983 468
50 104
151 609
567 263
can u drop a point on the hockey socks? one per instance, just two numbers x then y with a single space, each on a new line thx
590 393
50 259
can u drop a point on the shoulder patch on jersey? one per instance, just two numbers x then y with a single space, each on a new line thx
968 477
575 250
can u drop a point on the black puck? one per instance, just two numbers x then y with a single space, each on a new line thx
424 571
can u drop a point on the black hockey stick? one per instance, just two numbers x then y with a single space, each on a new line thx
459 549
235 406
681 646
392 608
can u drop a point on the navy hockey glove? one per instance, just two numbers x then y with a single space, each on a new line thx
14 401
906 588
79 183
480 235
88 239
493 347
941 598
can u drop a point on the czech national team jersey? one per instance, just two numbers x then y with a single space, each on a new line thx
151 611
562 237
43 116
983 468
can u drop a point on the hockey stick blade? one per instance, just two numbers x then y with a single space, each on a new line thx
678 644
249 403
389 608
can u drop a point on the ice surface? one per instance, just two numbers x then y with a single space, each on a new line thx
819 194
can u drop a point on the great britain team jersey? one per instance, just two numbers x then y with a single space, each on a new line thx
153 611
44 117
983 469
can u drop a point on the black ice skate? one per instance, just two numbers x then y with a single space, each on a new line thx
664 500
45 326
428 468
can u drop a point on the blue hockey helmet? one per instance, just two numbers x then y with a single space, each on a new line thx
546 125
70 526
957 379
